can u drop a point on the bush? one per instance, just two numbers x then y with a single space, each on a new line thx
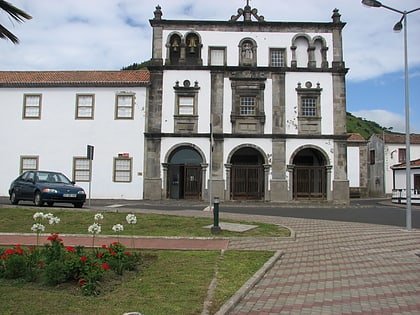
55 263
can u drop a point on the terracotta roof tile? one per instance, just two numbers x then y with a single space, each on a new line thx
355 137
414 163
74 78
398 138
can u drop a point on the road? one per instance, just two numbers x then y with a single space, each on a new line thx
373 211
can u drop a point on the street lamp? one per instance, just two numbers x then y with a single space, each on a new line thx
398 27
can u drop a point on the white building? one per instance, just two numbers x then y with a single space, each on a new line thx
357 169
268 96
48 118
239 109
386 150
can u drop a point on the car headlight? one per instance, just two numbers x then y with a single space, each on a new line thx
50 191
81 192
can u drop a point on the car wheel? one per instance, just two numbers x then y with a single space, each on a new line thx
13 199
37 199
78 204
50 204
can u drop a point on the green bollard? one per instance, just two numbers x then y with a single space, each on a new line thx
215 229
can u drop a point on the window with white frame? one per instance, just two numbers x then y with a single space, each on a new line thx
81 169
247 106
277 57
185 105
32 106
217 56
29 163
84 106
124 107
308 106
122 169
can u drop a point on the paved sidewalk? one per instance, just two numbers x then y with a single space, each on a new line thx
328 267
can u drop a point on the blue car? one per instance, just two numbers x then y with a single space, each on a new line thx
46 187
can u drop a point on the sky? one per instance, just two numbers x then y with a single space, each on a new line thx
111 34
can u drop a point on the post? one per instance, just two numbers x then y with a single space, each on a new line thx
215 229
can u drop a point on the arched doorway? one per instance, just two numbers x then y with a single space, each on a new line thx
184 174
247 175
309 175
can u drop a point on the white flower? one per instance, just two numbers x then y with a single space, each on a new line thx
131 218
38 227
48 216
54 220
118 228
95 228
38 216
99 216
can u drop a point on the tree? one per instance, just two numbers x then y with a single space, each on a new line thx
17 15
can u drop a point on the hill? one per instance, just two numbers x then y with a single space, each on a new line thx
365 127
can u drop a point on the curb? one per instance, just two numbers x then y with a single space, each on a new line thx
249 285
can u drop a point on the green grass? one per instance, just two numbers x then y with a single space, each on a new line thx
175 282
20 220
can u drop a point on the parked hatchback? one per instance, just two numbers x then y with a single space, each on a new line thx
46 187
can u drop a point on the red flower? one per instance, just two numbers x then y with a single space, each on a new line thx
83 258
54 237
19 251
70 249
4 256
100 255
82 282
9 251
113 253
32 248
105 266
103 246
127 253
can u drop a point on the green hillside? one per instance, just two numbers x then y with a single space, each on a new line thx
365 127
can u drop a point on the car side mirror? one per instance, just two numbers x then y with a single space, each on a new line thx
73 182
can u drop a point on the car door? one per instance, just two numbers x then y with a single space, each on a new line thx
26 186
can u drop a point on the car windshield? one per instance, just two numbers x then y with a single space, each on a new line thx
49 177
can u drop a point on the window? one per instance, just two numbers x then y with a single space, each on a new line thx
81 169
401 155
308 107
277 57
217 57
372 157
84 106
247 106
32 106
28 163
185 105
124 107
122 169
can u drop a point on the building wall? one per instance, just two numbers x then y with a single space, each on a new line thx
57 136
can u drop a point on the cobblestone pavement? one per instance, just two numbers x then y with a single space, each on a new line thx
337 268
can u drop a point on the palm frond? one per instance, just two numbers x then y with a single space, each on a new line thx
16 13
6 34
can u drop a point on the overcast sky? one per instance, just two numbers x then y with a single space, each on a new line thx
111 34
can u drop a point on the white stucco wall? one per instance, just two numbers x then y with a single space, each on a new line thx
58 137
231 40
353 166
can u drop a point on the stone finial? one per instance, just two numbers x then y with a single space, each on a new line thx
247 12
336 16
158 13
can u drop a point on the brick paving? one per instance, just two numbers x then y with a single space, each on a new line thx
326 267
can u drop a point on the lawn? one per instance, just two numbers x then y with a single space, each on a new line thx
20 220
170 282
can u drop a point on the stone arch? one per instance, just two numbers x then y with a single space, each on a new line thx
301 50
247 173
310 173
320 52
174 43
184 172
193 47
